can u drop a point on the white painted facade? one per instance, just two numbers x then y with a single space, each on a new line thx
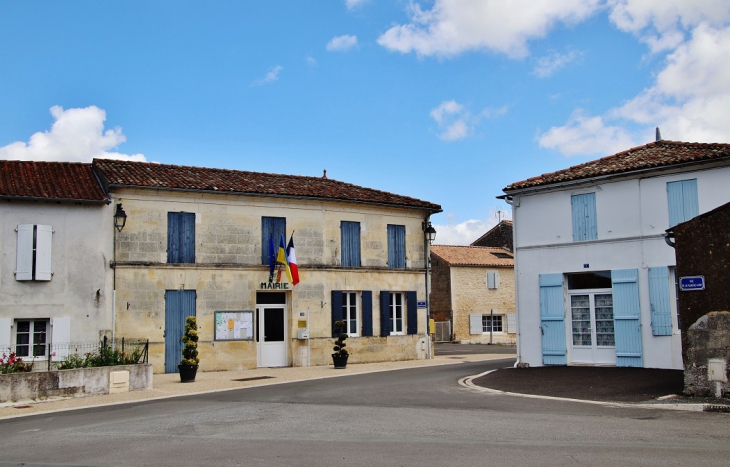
632 213
76 302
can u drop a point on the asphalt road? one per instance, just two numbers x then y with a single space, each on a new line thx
408 417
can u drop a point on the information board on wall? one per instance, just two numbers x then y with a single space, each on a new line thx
234 325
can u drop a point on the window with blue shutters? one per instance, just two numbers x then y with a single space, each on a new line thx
272 228
585 226
682 200
396 246
180 237
350 236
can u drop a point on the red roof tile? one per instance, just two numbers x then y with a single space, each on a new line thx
161 176
50 180
653 155
473 256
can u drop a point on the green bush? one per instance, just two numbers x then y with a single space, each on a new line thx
190 341
105 356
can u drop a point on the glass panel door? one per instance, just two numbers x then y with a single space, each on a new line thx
592 328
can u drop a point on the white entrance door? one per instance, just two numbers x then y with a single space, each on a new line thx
592 328
272 350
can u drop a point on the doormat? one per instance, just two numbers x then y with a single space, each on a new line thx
253 378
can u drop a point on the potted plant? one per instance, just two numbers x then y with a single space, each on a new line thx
339 357
189 364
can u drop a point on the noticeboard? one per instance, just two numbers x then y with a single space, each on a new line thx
234 325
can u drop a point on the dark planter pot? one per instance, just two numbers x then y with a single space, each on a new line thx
340 361
187 373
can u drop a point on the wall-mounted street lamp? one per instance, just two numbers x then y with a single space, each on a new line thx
429 232
429 235
120 217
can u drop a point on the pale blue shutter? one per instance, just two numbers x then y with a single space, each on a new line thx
661 314
682 200
271 226
350 242
173 237
367 313
552 317
396 246
179 304
187 237
627 317
384 313
585 226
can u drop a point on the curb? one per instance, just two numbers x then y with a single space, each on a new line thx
467 382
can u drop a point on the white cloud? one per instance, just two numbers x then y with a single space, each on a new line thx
77 135
549 64
451 27
661 24
311 61
466 232
584 135
271 76
456 122
688 101
342 43
352 4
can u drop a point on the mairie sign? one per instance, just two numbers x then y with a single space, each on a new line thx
692 283
274 286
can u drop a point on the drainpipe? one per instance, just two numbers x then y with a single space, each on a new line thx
515 204
427 254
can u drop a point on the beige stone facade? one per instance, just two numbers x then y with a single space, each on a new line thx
462 293
228 272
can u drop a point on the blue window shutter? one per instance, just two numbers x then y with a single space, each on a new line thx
585 226
187 233
350 243
661 314
682 200
271 226
412 304
627 317
384 313
179 304
367 313
552 317
336 309
396 246
173 237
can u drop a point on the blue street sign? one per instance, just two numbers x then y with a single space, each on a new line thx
692 283
421 304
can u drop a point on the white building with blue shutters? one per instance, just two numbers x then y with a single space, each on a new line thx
595 279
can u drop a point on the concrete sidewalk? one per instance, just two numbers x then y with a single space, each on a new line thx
169 385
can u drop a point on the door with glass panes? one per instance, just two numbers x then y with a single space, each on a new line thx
591 326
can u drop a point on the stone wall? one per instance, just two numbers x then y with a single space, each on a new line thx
471 295
440 293
42 385
708 339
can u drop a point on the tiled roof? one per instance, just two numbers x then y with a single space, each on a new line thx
473 256
504 224
161 176
653 155
50 180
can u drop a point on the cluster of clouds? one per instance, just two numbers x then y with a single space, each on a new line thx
77 135
687 98
456 122
464 233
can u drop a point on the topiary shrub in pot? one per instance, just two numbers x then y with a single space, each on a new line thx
339 357
189 364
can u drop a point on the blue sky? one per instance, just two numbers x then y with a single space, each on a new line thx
446 100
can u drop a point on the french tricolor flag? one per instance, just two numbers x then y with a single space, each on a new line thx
292 258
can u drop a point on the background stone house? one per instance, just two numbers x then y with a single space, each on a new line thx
56 244
196 243
499 236
595 278
473 289
702 247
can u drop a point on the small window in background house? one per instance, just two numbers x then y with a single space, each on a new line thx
33 260
491 323
30 337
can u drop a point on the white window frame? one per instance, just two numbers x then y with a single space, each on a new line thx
350 306
485 326
31 340
393 307
33 260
